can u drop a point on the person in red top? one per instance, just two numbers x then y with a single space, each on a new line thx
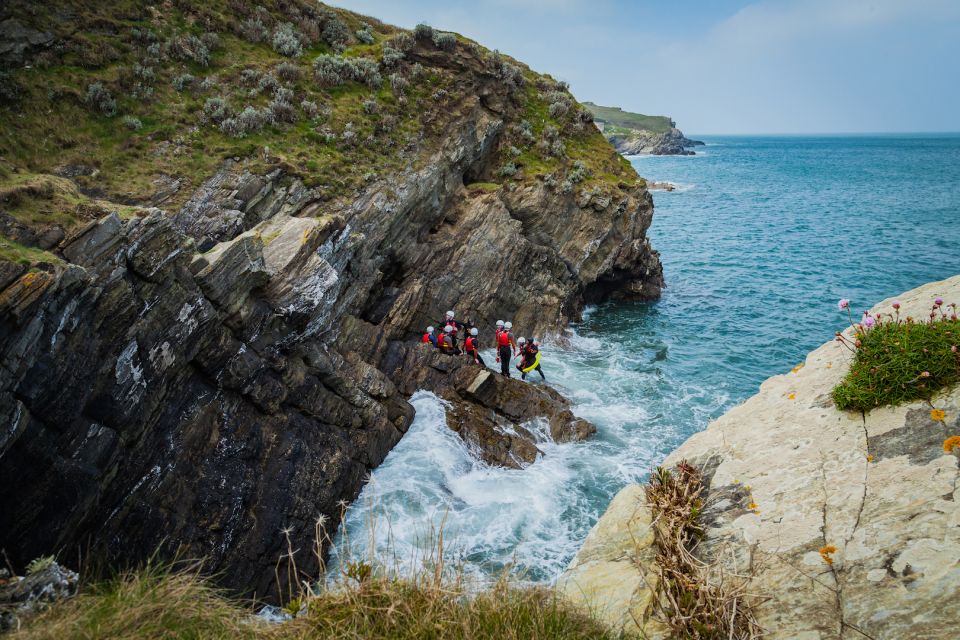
429 338
506 348
446 344
472 347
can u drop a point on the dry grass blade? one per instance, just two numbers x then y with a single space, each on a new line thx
696 600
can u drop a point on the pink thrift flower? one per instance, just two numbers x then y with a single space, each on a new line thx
896 304
938 301
843 304
868 322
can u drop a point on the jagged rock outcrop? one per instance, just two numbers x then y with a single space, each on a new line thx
668 143
877 487
202 379
24 596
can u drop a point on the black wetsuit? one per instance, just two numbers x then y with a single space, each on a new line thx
506 353
447 345
529 355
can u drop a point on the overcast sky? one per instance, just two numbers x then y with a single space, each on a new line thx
728 66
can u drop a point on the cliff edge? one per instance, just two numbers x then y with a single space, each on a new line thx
789 477
223 228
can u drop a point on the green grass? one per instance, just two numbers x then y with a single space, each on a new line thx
11 251
900 362
621 119
158 603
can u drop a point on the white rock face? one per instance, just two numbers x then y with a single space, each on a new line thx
877 487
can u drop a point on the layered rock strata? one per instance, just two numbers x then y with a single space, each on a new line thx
201 379
794 482
667 143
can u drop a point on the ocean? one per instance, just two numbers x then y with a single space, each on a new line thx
759 241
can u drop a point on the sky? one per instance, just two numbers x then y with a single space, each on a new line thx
728 66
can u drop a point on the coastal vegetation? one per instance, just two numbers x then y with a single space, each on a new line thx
626 121
899 359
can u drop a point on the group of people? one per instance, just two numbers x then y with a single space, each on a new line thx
527 351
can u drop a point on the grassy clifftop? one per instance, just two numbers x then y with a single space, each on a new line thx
619 119
138 104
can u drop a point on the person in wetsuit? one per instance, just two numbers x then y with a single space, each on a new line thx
450 321
446 343
506 348
529 351
472 347
429 337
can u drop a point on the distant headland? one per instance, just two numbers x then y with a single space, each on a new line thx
635 133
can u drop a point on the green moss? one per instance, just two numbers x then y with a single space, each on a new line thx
900 362
483 187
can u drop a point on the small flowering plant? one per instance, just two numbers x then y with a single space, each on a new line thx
898 359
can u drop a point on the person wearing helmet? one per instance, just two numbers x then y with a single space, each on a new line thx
429 338
506 348
446 344
472 347
449 320
529 358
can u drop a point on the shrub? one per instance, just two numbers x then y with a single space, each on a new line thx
440 95
286 41
558 110
154 54
182 81
398 83
268 82
288 71
370 106
331 70
444 40
579 173
392 57
402 42
217 109
364 34
525 131
507 170
282 111
131 123
513 151
558 149
210 83
250 77
423 32
349 136
211 41
250 120
99 98
253 30
308 28
310 109
897 360
144 74
335 31
189 48
416 70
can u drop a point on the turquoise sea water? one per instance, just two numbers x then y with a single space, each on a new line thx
761 239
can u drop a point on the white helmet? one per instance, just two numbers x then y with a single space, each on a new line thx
499 323
447 329
521 340
474 331
450 314
429 329
508 326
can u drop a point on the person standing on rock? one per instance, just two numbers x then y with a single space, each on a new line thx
446 342
529 358
506 348
472 347
429 338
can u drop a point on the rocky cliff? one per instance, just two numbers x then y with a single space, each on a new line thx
208 317
847 524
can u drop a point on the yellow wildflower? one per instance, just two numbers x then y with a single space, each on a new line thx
792 396
753 505
869 458
797 368
826 551
951 443
937 415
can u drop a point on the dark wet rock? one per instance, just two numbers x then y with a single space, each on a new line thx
17 41
163 398
22 596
